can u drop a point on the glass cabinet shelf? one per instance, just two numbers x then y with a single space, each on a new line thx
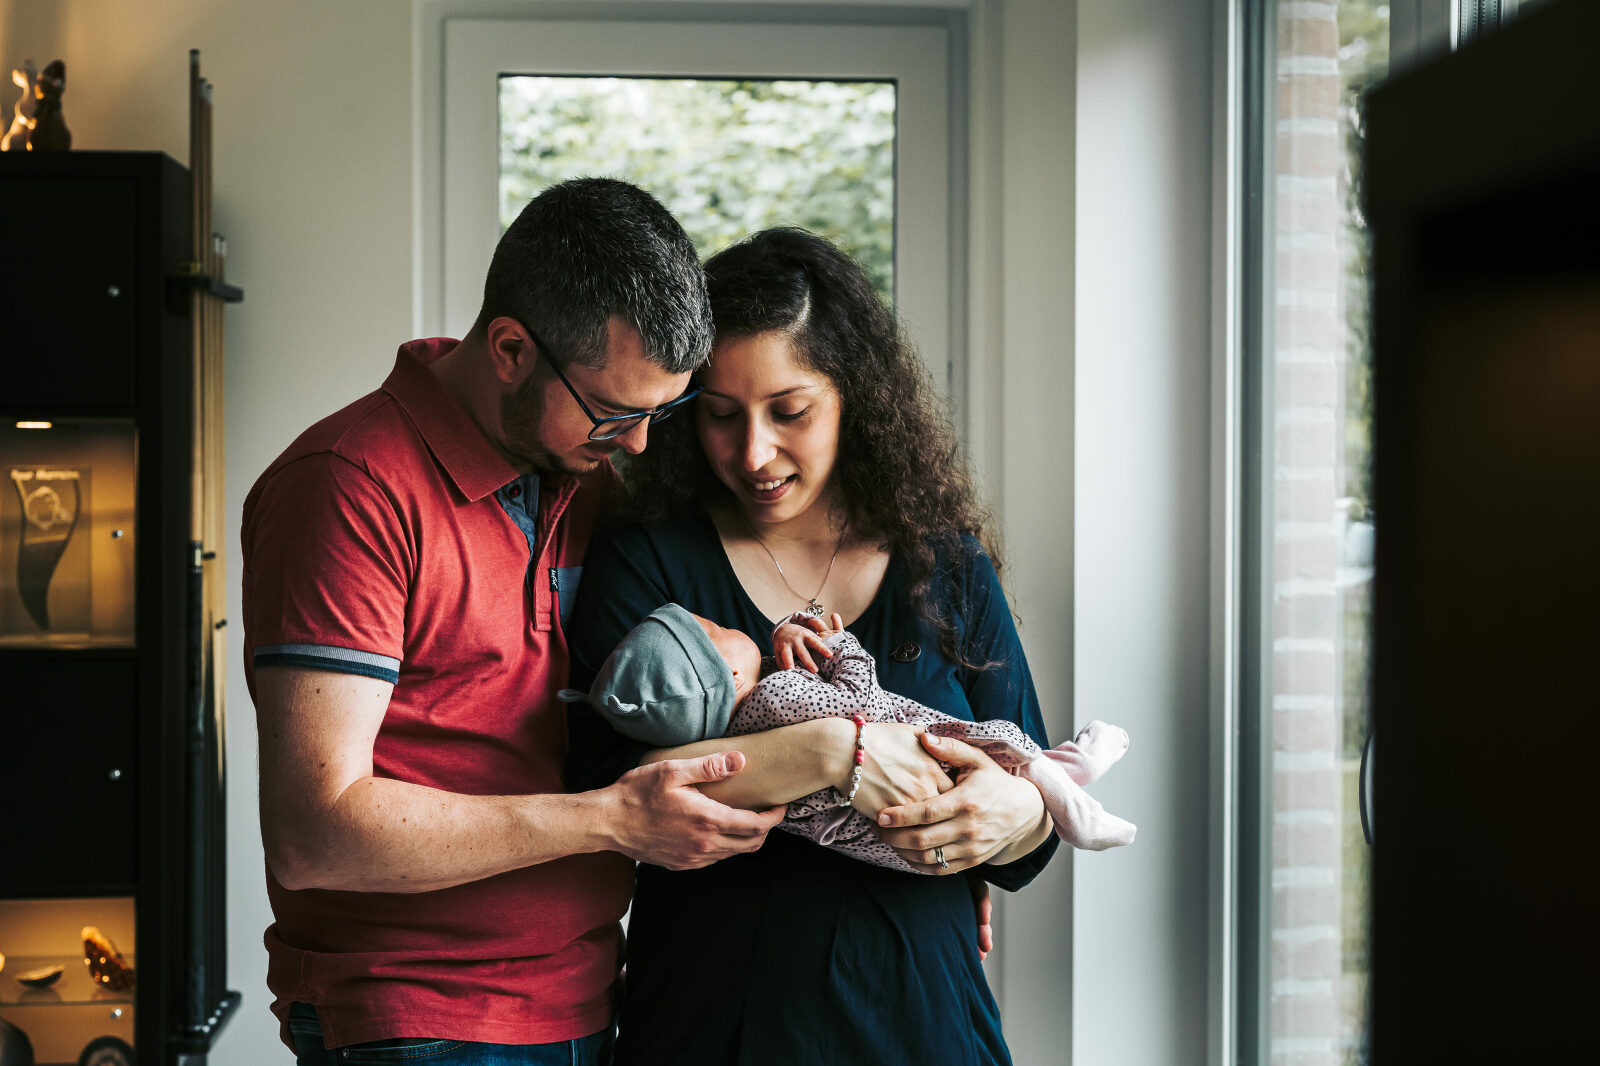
67 536
74 988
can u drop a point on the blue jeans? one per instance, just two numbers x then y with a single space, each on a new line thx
593 1050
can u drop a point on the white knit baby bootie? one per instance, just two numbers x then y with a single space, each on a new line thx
1091 754
1079 818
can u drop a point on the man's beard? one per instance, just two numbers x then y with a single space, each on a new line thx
521 414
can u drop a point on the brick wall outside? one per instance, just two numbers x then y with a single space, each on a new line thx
1309 808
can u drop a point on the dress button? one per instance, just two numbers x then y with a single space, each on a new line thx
515 491
907 652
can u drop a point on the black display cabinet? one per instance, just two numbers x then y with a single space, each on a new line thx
111 760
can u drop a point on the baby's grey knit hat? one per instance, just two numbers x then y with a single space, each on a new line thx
665 684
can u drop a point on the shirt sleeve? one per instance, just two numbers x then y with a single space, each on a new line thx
850 669
1002 691
327 570
624 580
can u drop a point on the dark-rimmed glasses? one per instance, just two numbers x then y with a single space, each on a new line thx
612 426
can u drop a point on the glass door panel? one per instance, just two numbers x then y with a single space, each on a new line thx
842 129
49 992
1318 526
727 158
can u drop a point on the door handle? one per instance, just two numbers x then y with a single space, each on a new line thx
1364 789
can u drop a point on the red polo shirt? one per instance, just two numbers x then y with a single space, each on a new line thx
392 540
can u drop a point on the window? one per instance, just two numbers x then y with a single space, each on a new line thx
1304 884
727 158
526 102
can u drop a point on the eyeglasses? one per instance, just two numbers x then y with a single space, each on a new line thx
610 426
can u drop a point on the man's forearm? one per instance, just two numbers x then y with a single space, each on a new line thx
382 835
328 823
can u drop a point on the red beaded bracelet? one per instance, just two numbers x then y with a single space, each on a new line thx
861 758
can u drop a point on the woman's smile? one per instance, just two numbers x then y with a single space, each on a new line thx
770 491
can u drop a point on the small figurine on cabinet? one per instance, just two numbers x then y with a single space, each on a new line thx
50 133
16 138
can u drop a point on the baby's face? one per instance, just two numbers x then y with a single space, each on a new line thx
739 652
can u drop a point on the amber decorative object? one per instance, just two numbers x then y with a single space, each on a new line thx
16 138
105 962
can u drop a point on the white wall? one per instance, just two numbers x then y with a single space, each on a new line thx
1021 424
1090 292
1142 514
1091 406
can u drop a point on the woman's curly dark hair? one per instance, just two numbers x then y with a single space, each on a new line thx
900 469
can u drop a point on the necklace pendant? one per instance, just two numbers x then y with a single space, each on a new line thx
815 609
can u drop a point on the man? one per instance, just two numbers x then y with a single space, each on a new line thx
408 563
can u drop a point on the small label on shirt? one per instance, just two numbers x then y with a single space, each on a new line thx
564 583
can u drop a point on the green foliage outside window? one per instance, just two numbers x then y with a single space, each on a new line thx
726 157
1363 62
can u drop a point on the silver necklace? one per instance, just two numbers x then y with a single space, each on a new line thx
815 609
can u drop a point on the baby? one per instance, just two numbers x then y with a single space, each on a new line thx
677 678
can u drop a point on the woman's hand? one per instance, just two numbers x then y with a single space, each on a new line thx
985 908
987 813
897 770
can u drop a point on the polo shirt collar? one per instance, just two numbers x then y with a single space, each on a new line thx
473 463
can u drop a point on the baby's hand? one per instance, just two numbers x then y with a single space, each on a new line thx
794 642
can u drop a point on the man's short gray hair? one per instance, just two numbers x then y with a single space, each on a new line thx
590 248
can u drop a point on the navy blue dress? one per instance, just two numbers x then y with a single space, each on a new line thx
795 954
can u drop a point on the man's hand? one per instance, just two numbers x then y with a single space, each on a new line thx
989 814
329 822
658 815
794 642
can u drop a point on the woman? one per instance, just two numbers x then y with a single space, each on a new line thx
817 473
